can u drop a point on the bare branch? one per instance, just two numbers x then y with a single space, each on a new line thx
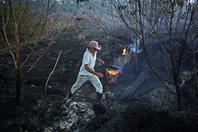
39 36
46 84
39 58
54 36
6 38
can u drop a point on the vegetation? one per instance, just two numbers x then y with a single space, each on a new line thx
42 41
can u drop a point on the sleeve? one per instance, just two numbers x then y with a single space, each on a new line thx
86 59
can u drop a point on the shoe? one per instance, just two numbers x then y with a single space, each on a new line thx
101 99
69 95
98 97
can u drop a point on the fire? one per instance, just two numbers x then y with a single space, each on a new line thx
125 51
112 72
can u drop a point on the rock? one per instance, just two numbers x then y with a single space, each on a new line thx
73 115
90 112
32 85
69 122
48 129
49 86
64 112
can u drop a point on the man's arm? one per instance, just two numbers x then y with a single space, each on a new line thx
99 61
98 74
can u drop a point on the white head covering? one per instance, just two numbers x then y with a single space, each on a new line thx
94 44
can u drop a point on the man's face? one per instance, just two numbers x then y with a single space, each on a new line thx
93 50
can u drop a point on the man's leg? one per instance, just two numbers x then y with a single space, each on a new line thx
100 106
98 86
96 83
80 80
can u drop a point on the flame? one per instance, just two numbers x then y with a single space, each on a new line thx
124 51
112 72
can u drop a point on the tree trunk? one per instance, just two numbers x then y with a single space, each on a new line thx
194 75
178 93
18 71
18 85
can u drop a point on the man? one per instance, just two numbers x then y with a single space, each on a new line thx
87 72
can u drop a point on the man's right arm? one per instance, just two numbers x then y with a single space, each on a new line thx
98 74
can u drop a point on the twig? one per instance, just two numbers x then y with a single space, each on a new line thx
6 38
55 40
39 36
38 59
46 84
43 96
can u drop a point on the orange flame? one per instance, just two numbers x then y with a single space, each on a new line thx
112 72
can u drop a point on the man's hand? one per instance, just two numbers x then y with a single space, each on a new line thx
98 74
101 62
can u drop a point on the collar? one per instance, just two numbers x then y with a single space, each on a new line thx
91 52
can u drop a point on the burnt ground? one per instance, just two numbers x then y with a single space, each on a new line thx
143 119
136 105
